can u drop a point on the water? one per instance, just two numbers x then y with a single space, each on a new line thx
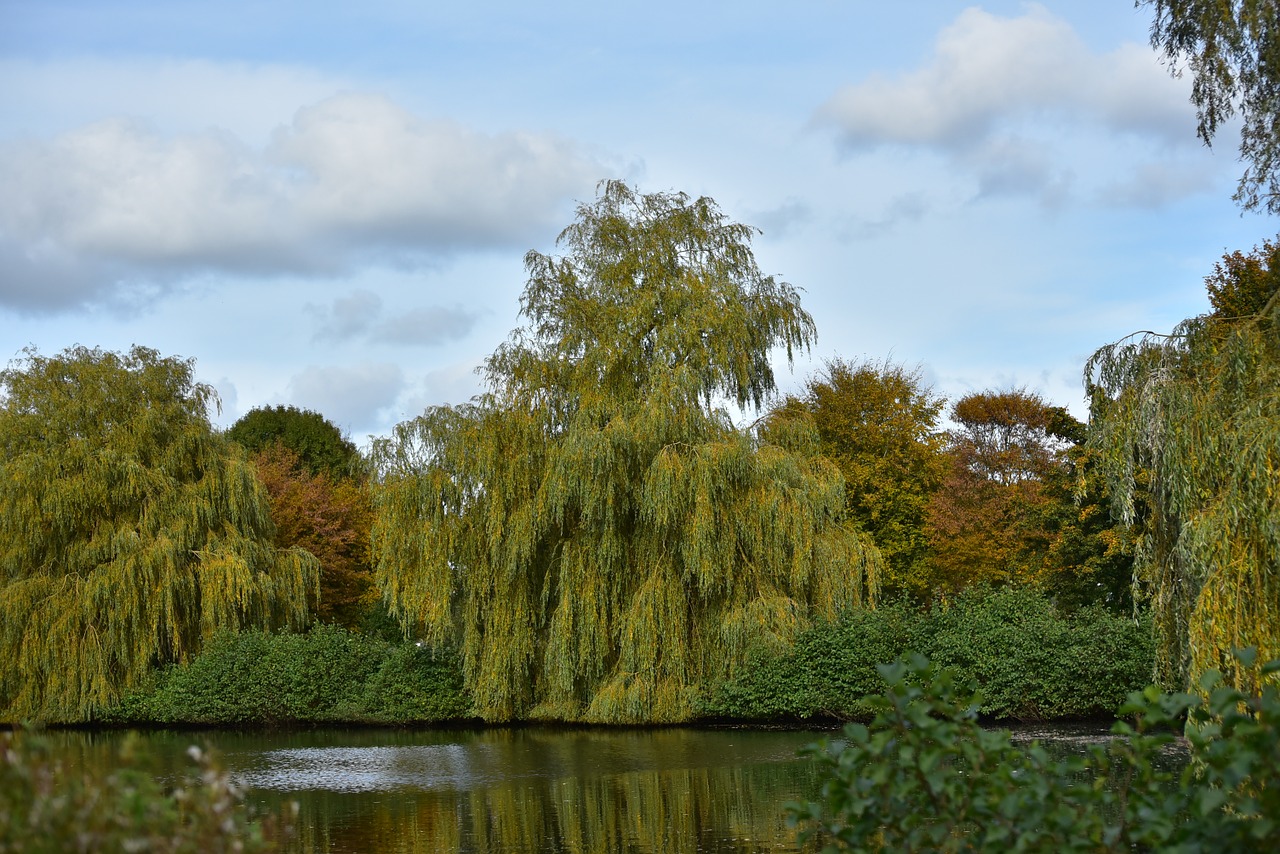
510 791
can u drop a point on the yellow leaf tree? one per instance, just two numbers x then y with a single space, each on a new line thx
596 531
129 530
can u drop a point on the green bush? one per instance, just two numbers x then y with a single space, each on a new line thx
46 806
326 675
924 776
1029 660
415 684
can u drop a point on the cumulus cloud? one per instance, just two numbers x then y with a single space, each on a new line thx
354 180
351 395
998 94
360 316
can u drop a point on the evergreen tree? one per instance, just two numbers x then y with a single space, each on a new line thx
129 530
596 529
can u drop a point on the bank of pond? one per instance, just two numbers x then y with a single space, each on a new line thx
339 741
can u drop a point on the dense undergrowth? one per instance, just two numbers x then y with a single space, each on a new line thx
327 675
1029 660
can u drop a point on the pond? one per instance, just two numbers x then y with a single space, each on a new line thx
509 791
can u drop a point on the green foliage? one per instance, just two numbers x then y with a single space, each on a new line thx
597 531
316 440
46 806
129 530
414 683
326 675
1187 427
924 776
877 421
1030 660
1232 48
1089 555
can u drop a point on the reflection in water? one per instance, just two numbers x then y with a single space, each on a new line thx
552 791
509 791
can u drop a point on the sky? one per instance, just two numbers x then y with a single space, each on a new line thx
328 205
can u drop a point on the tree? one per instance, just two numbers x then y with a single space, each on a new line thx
595 527
328 517
129 530
1197 412
985 521
316 441
878 422
1233 50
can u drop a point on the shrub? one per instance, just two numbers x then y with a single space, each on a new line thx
1029 660
415 684
326 675
46 806
924 776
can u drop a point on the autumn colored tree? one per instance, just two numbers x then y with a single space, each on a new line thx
319 501
878 422
597 531
130 530
985 522
1196 414
331 519
316 441
1241 285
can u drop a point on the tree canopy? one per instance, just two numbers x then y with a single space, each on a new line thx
595 528
316 441
328 517
129 530
986 520
878 422
1232 48
1197 414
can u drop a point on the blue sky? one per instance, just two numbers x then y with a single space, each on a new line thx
328 205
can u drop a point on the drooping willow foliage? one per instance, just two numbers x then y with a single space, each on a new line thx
129 530
1189 425
595 530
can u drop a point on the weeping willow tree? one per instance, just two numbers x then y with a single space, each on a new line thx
1189 426
595 530
129 530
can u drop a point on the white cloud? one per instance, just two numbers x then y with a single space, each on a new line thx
1008 99
987 69
353 181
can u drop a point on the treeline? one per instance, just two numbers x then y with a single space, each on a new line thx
597 539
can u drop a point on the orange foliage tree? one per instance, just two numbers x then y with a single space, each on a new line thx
331 519
986 522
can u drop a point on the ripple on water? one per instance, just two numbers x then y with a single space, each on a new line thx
368 769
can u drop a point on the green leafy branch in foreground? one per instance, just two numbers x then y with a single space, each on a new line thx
924 776
46 806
